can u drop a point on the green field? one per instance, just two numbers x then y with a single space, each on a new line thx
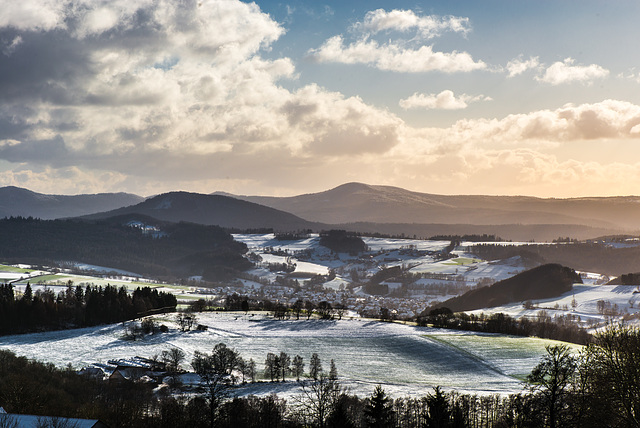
13 269
461 261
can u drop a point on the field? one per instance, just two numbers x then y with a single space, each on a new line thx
405 359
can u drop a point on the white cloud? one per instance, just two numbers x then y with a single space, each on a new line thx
33 15
518 65
428 26
399 55
392 57
445 100
166 91
565 72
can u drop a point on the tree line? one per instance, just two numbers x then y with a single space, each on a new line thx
543 326
77 306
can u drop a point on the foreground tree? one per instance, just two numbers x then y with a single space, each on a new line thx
610 379
379 410
216 372
551 379
318 400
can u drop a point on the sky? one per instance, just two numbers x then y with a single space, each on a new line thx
538 98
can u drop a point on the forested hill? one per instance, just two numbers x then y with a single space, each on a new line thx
542 282
213 210
172 250
15 201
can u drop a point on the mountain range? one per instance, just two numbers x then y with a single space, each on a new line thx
357 202
16 201
353 206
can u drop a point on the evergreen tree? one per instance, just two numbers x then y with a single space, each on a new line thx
333 371
28 294
315 367
379 410
439 414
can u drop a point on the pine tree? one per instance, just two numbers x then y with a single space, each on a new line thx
28 294
439 413
333 371
378 411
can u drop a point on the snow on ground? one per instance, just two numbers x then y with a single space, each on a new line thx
385 244
405 359
594 304
100 269
312 268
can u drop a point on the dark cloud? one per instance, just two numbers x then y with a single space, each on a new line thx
38 151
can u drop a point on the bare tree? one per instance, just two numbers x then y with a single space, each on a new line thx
318 400
271 366
216 372
285 364
552 377
186 320
172 359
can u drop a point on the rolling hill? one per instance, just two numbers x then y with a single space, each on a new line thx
357 202
216 210
15 201
542 282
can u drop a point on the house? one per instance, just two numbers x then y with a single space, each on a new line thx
32 421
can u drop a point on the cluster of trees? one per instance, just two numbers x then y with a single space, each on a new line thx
597 386
341 241
542 326
293 236
238 302
183 249
77 306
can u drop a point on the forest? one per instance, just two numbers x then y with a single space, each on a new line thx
178 250
77 306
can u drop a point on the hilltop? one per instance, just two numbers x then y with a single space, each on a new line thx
542 282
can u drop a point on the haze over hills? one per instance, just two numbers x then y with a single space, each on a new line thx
353 206
357 202
216 210
16 201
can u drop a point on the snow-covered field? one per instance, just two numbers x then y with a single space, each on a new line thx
593 304
405 359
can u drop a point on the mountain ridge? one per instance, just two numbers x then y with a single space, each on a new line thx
358 202
216 210
20 202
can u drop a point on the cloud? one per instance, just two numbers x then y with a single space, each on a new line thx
565 72
518 65
445 100
392 57
609 119
33 15
399 55
156 95
427 27
167 92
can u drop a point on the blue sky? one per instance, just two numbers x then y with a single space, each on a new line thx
457 97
